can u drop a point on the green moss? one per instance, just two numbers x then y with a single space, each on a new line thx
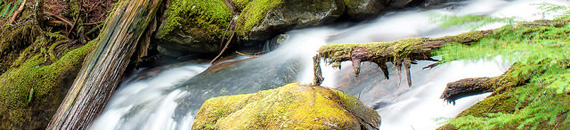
210 16
253 13
534 93
240 4
292 106
397 49
34 73
352 4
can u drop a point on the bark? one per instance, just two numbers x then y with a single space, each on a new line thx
401 53
517 75
102 71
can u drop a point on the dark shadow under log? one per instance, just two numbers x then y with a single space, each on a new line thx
102 71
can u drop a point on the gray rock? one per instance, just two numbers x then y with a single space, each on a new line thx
362 9
399 3
296 14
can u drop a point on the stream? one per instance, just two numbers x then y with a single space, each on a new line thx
168 97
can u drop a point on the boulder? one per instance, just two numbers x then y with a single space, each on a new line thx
198 26
362 9
292 106
400 3
295 14
193 26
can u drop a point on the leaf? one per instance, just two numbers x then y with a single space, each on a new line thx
5 10
11 11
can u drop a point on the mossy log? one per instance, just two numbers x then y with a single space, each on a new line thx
102 71
402 52
517 75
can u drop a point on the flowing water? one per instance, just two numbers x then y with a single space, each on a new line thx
168 97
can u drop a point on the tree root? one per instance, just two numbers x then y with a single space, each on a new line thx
401 53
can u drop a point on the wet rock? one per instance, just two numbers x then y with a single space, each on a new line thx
199 26
296 14
429 3
400 3
194 26
361 9
292 106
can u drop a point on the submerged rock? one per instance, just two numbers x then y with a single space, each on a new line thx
288 107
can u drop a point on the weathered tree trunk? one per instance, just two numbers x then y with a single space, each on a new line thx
102 71
402 53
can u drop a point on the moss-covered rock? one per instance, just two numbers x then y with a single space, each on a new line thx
194 25
292 106
198 26
31 91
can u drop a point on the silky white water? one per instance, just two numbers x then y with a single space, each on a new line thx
168 98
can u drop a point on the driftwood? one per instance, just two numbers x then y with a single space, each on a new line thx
102 71
402 53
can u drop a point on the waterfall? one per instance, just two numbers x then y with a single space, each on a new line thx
169 97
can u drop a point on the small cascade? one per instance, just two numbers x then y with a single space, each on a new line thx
169 97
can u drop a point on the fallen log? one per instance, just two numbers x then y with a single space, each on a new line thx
401 53
102 71
518 74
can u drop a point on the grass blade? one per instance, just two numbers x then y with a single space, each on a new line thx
5 10
11 11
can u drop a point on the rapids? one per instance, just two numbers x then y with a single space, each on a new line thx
169 97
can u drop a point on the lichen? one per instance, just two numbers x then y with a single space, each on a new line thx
292 106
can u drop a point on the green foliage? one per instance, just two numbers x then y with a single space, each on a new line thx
6 9
548 8
542 53
470 21
538 107
30 95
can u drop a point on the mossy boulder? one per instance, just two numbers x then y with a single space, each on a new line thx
198 26
32 89
292 106
193 25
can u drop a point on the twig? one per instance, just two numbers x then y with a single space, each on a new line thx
13 18
223 50
494 104
59 17
245 54
232 29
